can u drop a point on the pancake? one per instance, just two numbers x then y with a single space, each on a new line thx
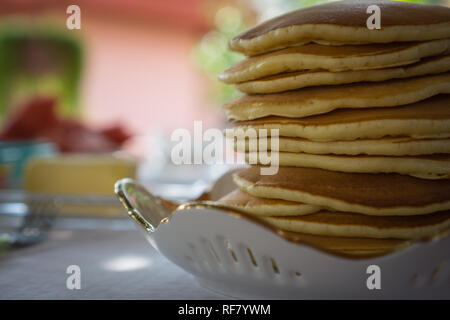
357 225
300 79
351 247
335 59
370 194
317 100
427 167
400 146
428 118
346 22
265 207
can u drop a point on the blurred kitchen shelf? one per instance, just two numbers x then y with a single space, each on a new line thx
11 196
16 204
19 203
7 196
9 222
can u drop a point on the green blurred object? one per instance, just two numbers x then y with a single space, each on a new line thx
212 56
4 242
39 59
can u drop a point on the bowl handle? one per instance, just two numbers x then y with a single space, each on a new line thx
147 210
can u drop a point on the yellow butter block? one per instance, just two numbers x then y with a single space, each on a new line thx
77 174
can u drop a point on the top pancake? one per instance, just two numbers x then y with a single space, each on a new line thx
346 22
336 59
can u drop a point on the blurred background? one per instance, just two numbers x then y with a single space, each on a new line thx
82 108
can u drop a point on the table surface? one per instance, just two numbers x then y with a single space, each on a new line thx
116 262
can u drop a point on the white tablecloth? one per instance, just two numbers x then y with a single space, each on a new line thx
114 264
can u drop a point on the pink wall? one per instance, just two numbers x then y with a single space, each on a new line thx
141 75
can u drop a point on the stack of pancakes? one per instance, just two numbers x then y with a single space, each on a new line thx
364 124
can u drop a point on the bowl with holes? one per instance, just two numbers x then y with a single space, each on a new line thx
235 254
